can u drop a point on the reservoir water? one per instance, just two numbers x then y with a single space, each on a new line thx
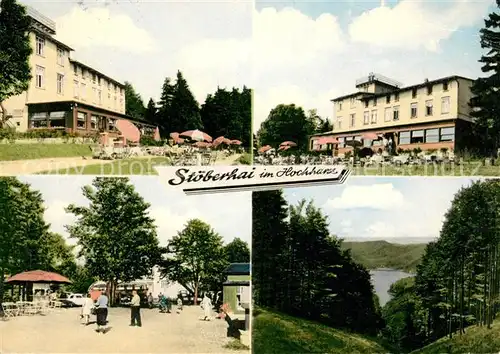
382 280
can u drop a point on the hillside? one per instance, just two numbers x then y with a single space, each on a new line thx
275 333
383 254
475 340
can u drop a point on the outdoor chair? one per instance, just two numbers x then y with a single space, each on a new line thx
9 309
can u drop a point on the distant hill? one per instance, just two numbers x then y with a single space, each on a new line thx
277 333
475 340
383 254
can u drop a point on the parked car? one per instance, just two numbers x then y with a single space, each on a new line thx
76 300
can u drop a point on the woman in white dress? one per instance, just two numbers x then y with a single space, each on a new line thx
87 307
206 305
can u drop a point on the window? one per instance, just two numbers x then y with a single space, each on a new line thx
339 105
353 102
60 56
114 104
352 120
121 103
366 117
374 116
94 95
99 81
414 110
339 121
395 113
428 108
81 120
116 90
57 119
122 91
429 90
396 97
432 136
94 122
94 78
60 84
341 142
445 105
76 87
99 96
40 76
111 125
109 85
375 101
445 86
404 137
75 70
417 136
388 114
40 45
84 74
414 93
38 120
83 91
447 134
388 99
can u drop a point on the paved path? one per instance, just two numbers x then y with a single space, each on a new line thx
61 332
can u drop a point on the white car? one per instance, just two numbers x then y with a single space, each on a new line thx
76 299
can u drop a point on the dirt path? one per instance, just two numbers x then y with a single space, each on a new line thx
23 167
161 333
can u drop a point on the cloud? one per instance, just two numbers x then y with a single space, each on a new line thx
381 230
98 27
376 196
310 60
57 217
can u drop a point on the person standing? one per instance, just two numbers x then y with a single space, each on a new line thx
87 307
101 313
135 310
150 300
206 305
179 304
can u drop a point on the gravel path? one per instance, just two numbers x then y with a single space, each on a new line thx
61 332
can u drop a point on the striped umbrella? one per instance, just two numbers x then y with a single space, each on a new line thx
197 135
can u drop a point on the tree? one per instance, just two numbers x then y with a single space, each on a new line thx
286 123
117 238
150 115
165 107
237 251
23 230
15 51
134 107
195 258
485 103
184 110
228 113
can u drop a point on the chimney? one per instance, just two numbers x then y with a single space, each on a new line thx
426 80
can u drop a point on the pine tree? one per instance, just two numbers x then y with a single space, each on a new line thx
150 115
486 101
184 110
134 107
15 50
165 107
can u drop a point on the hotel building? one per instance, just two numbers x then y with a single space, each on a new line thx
64 93
431 115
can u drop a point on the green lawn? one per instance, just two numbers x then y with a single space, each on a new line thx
11 152
138 166
274 333
475 340
472 168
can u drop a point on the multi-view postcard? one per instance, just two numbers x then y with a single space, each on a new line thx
106 88
118 265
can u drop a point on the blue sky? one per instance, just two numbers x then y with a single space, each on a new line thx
384 208
229 214
144 41
308 52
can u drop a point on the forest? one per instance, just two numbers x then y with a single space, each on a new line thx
452 302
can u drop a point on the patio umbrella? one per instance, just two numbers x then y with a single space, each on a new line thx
265 148
197 135
283 148
128 130
174 135
327 140
218 141
288 143
38 276
179 141
202 144
157 136
371 136
235 142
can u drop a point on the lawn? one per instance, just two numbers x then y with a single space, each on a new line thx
137 166
277 333
12 152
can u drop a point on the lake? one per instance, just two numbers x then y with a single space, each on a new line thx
382 279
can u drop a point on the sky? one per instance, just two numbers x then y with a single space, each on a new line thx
309 52
143 42
228 214
400 210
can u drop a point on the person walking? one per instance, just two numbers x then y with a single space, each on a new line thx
102 313
135 310
150 300
206 305
87 307
179 304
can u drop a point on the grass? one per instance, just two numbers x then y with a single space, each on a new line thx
236 345
475 340
382 254
12 152
244 159
277 333
137 166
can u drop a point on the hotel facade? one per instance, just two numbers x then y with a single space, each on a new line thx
432 115
65 94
